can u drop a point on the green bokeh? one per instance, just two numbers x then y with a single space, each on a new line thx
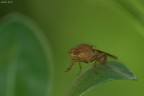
103 23
25 59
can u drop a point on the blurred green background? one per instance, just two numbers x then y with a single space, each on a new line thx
115 26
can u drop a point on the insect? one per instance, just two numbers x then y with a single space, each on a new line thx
86 53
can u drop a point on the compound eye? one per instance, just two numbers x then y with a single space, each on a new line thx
74 51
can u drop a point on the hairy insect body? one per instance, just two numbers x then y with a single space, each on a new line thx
86 53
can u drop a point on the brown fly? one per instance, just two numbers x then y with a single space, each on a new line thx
86 53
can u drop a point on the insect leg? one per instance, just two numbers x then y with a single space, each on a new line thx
103 61
80 68
95 68
102 57
70 66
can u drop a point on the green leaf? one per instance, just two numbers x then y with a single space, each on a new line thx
135 10
100 74
25 58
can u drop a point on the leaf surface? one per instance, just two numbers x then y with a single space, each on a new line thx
100 74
